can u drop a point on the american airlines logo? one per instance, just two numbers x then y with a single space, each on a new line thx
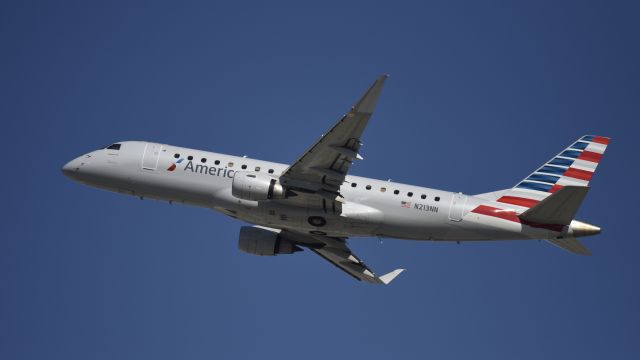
174 165
203 169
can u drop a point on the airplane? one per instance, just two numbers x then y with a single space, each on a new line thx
315 204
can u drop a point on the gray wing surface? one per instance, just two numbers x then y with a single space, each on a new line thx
323 167
336 251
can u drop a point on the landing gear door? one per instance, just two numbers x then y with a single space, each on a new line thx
151 156
456 210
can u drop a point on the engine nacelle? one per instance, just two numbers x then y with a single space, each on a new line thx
259 241
256 186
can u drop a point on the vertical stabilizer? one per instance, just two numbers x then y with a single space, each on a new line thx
573 167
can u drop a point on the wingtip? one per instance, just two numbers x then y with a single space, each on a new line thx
368 101
387 278
381 79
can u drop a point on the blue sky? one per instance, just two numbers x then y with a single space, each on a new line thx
480 94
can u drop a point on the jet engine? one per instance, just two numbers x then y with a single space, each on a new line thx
256 186
258 241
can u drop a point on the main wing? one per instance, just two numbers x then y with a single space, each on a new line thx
336 251
323 167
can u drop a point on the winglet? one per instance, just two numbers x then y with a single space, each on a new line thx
367 103
387 278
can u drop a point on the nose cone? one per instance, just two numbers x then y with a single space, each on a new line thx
67 169
72 168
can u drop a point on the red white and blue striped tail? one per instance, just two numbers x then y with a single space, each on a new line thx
574 166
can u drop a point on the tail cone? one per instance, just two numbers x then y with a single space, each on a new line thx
579 228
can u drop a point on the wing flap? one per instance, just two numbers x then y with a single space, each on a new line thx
336 251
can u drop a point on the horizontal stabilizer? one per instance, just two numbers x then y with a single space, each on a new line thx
571 245
558 208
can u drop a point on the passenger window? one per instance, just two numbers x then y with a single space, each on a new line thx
396 192
230 164
383 189
354 184
368 187
270 171
114 147
189 157
257 168
409 194
217 162
244 167
176 156
437 198
204 160
423 196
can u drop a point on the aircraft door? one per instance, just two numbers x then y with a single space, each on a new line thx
456 210
151 156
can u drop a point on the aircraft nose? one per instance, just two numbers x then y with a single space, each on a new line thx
69 168
72 168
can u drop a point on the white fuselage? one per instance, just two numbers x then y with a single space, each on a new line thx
368 207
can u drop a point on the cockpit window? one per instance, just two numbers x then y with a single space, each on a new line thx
113 147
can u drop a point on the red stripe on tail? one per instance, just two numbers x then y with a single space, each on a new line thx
578 174
512 216
601 140
518 201
590 156
495 212
555 188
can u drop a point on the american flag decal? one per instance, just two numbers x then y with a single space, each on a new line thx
405 204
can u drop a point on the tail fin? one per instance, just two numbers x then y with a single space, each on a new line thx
573 167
